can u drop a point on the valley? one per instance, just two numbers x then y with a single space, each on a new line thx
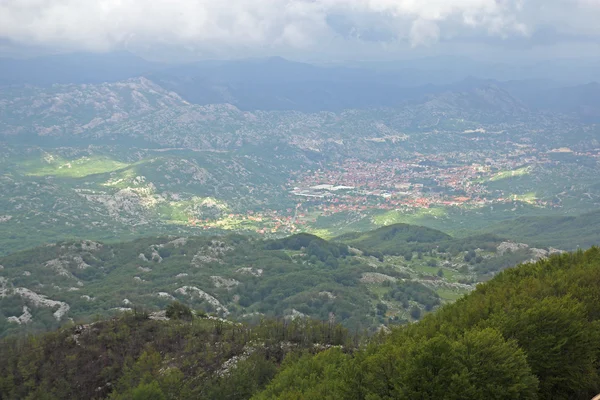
117 161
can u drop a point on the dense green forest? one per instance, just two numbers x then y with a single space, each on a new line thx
529 333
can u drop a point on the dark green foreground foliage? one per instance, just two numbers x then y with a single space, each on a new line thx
530 333
533 332
134 357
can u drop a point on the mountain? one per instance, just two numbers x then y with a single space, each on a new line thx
391 271
278 84
76 68
529 333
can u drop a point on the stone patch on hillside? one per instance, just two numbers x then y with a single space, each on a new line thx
211 253
24 318
376 277
505 247
219 282
39 300
250 271
195 292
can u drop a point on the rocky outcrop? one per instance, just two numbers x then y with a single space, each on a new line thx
249 271
25 318
194 292
39 300
219 282
376 277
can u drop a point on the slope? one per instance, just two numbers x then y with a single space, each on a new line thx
568 232
530 333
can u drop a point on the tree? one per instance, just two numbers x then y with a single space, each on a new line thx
415 312
309 377
561 345
178 310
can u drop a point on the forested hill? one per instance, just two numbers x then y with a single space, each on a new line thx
390 276
529 333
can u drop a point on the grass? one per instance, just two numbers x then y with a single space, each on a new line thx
322 233
449 275
450 295
78 168
525 198
413 218
510 174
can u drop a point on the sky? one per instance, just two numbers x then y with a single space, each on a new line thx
305 29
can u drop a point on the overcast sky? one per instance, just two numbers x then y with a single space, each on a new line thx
339 29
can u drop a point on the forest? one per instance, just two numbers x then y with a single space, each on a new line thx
529 333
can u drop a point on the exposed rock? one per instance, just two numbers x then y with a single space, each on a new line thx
193 291
86 245
26 273
211 253
249 271
329 295
89 245
437 283
355 251
88 298
25 318
155 255
182 275
80 263
538 254
126 302
145 269
58 266
200 259
5 218
295 314
376 277
219 282
510 246
165 295
142 257
179 242
552 251
138 279
39 300
159 316
3 287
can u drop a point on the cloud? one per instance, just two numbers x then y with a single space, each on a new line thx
217 25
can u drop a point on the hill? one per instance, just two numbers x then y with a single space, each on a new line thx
390 239
247 278
529 333
567 232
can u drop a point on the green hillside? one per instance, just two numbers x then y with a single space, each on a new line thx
529 333
412 271
390 238
569 232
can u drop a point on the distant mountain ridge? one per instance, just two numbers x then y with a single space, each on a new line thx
278 84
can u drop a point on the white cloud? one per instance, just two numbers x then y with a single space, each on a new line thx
424 32
292 24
